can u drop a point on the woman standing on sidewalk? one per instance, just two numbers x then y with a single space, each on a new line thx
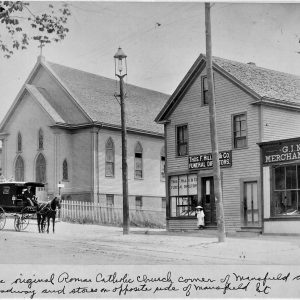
200 217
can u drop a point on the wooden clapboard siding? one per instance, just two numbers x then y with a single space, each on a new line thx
280 123
150 187
230 99
185 112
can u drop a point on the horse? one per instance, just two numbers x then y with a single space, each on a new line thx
47 211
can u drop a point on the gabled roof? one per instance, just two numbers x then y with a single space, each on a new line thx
94 97
36 93
39 98
95 94
263 84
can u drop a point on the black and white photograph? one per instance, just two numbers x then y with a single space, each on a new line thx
149 149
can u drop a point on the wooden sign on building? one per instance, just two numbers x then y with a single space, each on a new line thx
281 151
204 161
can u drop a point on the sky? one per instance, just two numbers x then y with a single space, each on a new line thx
161 40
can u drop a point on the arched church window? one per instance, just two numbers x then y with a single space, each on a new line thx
19 169
41 139
138 161
65 170
109 158
40 168
19 142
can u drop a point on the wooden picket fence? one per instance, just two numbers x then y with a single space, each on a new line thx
91 213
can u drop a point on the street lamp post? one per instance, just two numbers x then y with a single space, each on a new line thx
121 72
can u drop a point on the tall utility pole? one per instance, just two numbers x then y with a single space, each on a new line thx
120 57
213 129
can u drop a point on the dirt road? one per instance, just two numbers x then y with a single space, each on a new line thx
94 244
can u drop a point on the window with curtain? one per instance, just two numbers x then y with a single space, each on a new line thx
138 161
19 169
240 131
65 170
109 158
182 140
40 168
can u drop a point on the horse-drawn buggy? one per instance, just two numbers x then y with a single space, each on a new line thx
18 200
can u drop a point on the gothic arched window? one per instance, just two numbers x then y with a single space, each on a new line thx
138 161
19 142
109 158
65 170
41 139
19 169
40 168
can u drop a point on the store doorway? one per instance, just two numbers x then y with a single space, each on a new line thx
251 204
208 200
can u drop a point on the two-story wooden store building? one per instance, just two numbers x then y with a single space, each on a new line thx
254 106
65 126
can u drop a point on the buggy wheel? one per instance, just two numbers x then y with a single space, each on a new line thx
21 223
2 218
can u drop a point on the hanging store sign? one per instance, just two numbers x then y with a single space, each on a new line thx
204 161
281 152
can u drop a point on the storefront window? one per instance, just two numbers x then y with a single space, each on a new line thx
286 193
183 195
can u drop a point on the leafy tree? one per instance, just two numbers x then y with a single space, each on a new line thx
21 25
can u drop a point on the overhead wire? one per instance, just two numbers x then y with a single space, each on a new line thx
135 36
128 37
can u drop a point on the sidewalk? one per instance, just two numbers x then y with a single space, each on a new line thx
152 231
237 249
212 233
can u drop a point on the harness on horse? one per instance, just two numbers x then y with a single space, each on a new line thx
45 208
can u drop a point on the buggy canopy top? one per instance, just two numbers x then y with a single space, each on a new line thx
22 183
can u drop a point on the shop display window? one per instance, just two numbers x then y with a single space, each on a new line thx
286 191
183 195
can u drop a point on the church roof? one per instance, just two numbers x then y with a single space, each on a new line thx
95 95
264 85
38 95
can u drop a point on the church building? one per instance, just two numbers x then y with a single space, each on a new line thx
64 129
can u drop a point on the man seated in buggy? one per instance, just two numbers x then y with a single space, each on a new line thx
29 197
